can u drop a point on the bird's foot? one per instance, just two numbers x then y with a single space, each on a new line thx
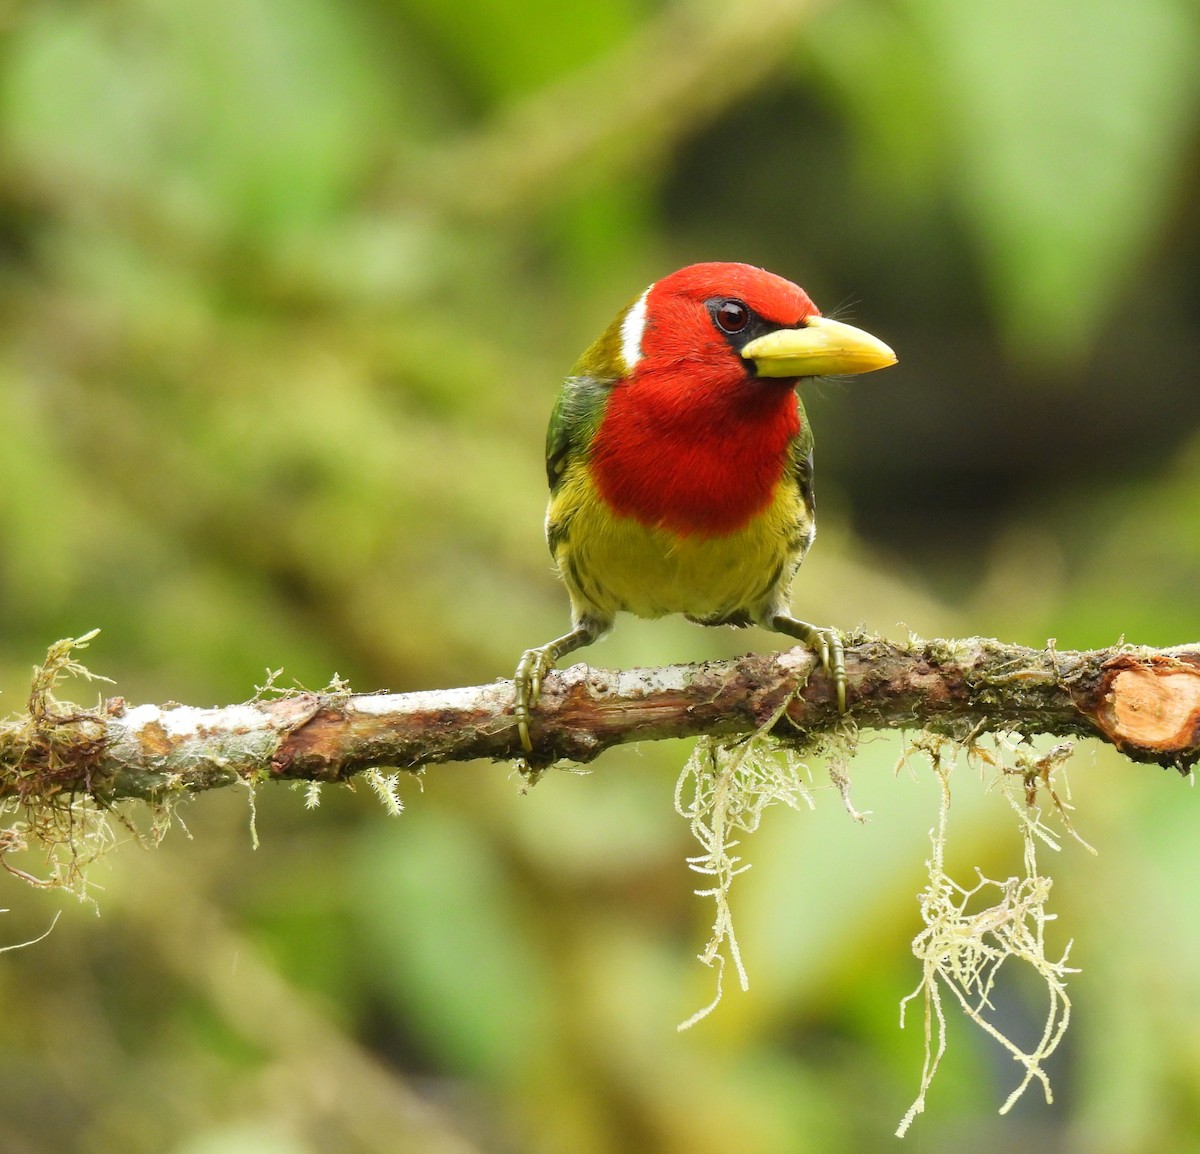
527 686
536 663
826 642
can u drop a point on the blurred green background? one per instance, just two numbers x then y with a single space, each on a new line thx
285 293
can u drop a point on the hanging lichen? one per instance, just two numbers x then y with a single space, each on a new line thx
969 932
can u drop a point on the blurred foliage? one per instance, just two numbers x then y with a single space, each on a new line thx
285 292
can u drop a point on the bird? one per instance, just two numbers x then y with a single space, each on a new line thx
680 463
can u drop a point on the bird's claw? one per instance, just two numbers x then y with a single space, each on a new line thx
832 651
826 642
527 688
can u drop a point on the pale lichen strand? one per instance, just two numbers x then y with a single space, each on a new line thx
723 791
50 758
966 941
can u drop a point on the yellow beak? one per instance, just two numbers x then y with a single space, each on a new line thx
822 348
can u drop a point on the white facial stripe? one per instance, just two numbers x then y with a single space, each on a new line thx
632 328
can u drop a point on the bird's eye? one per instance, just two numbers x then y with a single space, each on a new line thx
732 316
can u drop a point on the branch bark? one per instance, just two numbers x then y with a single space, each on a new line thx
1144 702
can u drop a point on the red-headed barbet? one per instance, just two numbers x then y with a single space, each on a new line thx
680 462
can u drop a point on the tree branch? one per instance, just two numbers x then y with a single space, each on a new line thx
1144 702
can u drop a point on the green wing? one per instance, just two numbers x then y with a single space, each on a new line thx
580 404
573 423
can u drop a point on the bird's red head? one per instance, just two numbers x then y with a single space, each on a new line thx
698 319
698 429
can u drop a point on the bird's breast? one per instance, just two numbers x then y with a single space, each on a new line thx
698 466
613 563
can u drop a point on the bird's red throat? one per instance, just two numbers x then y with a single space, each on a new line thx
696 449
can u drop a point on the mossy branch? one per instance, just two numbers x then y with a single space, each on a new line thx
62 767
1145 702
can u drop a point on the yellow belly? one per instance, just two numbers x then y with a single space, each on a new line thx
612 564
